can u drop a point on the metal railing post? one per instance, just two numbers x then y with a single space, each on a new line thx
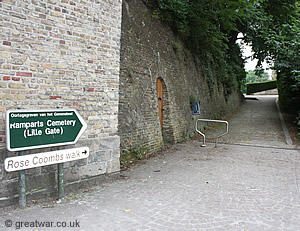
215 121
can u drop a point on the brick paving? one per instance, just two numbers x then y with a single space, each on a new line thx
187 187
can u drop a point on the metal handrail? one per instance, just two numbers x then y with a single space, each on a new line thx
216 121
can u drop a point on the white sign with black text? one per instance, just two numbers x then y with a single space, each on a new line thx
46 158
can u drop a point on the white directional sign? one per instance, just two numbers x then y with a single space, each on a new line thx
46 158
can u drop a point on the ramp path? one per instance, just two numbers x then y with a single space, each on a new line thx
187 187
256 123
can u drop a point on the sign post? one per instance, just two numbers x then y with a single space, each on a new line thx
30 129
22 186
60 180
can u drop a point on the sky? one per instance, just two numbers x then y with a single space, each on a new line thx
251 64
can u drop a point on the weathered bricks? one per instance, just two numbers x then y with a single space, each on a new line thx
26 74
6 43
55 97
6 78
146 56
50 57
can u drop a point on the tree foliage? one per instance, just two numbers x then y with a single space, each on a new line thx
252 77
206 25
210 29
273 30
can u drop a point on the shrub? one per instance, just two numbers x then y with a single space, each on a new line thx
262 86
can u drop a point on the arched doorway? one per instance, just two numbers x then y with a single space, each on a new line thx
164 111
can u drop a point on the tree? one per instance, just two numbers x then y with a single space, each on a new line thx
273 30
252 77
210 29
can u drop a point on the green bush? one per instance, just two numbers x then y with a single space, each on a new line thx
262 86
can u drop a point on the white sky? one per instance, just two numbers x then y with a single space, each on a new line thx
251 64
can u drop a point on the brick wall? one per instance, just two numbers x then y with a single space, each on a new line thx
150 50
62 53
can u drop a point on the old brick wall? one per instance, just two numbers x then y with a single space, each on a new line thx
149 50
62 53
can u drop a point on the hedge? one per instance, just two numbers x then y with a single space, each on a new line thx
262 86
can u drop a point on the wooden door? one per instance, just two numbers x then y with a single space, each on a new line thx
159 90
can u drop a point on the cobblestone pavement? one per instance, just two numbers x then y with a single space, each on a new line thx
187 187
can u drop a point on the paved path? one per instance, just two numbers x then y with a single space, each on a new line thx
256 123
231 187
